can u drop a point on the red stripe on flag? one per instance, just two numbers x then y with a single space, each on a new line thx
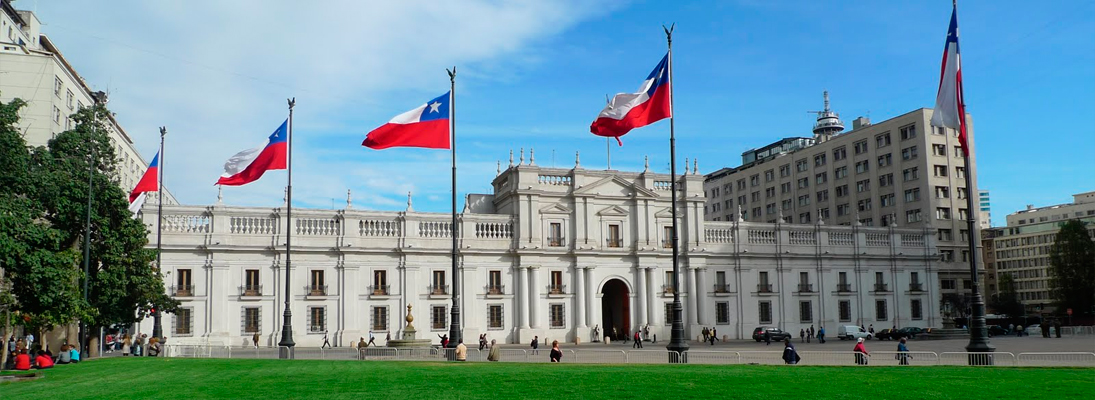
272 157
429 134
654 109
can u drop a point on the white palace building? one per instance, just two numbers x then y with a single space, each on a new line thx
553 253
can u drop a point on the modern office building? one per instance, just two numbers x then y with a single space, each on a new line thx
553 252
899 172
1022 248
33 69
984 219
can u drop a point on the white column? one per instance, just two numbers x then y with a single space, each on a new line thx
701 296
651 303
691 305
534 297
640 294
590 295
522 295
580 296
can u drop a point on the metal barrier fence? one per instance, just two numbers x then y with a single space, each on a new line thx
580 356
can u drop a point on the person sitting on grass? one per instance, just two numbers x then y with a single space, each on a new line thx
43 360
63 356
10 363
74 353
22 361
154 347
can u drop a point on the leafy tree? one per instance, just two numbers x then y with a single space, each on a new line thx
1072 268
1007 301
37 261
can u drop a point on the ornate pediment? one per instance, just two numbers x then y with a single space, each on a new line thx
664 213
612 211
614 186
555 209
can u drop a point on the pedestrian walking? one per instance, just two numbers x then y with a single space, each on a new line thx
1019 330
638 341
495 353
372 340
482 341
790 356
871 329
444 340
903 353
714 336
801 335
821 335
535 345
255 339
705 333
767 337
127 345
1057 327
326 343
861 352
556 354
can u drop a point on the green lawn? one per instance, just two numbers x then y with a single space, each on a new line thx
175 378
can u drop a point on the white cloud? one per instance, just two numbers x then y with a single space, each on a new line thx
217 74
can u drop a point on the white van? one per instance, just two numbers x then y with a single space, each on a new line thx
852 332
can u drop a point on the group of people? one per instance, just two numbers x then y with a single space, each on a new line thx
709 335
791 356
20 359
805 335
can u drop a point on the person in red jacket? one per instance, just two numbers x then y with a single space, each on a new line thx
22 361
43 360
861 352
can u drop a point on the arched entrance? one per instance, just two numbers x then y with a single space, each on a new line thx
615 309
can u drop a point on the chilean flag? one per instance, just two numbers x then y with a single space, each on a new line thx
628 111
150 182
425 126
248 166
950 107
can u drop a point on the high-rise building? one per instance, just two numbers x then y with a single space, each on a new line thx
900 172
984 219
34 70
1022 248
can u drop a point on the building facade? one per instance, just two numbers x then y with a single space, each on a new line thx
901 172
984 206
1022 248
555 253
34 70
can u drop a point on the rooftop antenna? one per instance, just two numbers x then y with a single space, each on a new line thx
828 122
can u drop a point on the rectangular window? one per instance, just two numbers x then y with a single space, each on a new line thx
769 192
720 282
438 285
962 214
864 205
940 170
962 193
910 174
804 200
668 314
822 178
667 237
56 115
786 204
756 212
942 192
801 166
913 216
765 312
785 187
769 175
770 208
722 313
803 279
741 184
908 132
863 186
380 319
805 312
841 210
882 140
804 218
823 196
845 310
887 200
494 316
251 286
784 171
823 213
885 160
251 321
917 310
555 235
840 172
185 286
316 286
939 150
842 278
840 153
764 286
958 152
317 319
494 283
889 219
945 235
909 153
755 196
841 190
860 147
58 85
942 213
69 98
880 311
183 322
803 183
754 180
557 318
438 318
862 166
819 160
614 236
556 285
946 256
912 195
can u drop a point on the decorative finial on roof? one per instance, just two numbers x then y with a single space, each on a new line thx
646 164
686 165
511 157
695 165
498 168
410 208
577 160
531 156
349 200
220 195
522 160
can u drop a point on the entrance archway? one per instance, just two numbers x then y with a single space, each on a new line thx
615 309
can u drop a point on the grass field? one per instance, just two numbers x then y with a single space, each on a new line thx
168 378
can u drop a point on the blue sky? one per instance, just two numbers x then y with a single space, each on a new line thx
534 74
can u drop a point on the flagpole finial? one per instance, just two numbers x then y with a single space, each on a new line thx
220 195
511 158
646 164
349 200
292 102
531 156
522 160
163 131
452 73
577 160
410 208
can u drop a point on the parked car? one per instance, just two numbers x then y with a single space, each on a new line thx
777 334
852 332
887 334
1036 328
909 332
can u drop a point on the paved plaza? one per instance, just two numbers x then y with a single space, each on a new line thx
1010 344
